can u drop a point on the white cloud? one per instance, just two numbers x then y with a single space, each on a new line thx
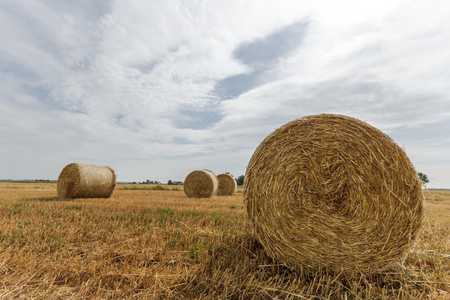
135 85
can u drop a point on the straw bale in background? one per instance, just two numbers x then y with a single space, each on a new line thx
86 181
227 185
200 184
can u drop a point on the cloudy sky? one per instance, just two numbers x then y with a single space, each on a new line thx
156 89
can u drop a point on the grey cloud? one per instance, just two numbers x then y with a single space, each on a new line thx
146 68
197 119
435 133
370 99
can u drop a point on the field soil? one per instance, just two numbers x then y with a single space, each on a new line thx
151 242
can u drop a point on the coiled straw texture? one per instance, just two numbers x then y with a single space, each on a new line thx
227 185
330 191
85 181
200 184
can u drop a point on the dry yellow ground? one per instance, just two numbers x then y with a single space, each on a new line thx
143 243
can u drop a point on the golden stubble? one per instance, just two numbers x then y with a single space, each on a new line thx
148 243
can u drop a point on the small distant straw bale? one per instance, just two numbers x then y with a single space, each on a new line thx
330 191
227 185
86 181
200 184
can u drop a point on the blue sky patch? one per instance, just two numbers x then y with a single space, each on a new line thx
261 56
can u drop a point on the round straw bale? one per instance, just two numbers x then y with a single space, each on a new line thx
86 181
330 191
227 185
200 184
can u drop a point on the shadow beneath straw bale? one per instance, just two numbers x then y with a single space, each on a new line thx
240 268
43 199
228 267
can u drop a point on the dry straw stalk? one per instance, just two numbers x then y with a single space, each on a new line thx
86 181
200 184
330 191
227 185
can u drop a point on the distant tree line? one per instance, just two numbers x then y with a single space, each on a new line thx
239 181
151 182
148 181
170 182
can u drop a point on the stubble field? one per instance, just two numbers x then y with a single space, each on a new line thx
148 243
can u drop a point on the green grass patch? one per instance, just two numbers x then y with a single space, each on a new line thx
165 214
219 218
196 250
187 213
16 208
74 207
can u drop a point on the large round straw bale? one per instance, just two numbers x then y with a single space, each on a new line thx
86 181
227 185
200 184
329 191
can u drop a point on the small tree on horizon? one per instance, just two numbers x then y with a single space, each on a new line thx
423 178
240 180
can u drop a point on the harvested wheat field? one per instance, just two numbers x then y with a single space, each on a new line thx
152 242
